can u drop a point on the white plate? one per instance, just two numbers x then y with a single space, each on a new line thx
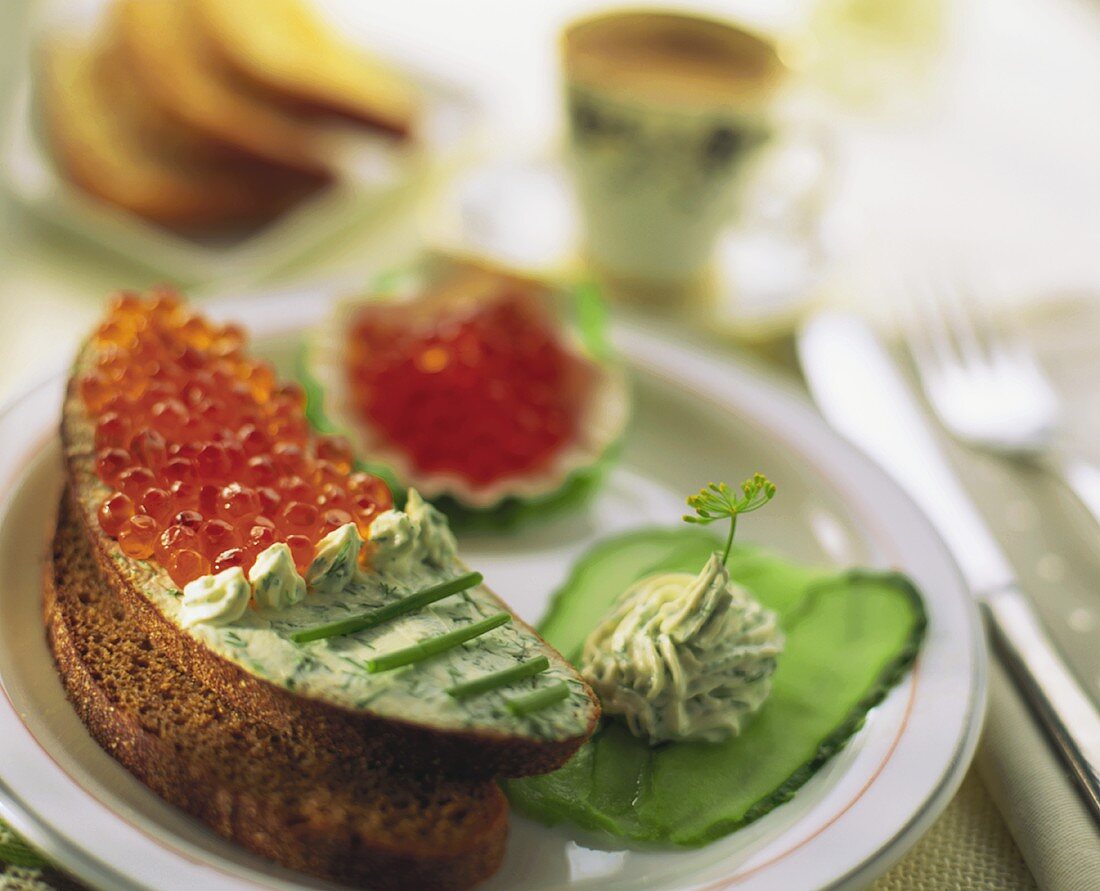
372 169
698 417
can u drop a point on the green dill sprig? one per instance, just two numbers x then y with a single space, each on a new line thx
719 502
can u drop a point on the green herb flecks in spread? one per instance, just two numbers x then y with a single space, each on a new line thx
420 560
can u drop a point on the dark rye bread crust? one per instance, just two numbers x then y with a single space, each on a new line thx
405 744
281 795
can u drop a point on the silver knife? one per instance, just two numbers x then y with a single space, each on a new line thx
861 393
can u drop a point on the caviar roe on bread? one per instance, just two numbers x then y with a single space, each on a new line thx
209 458
260 561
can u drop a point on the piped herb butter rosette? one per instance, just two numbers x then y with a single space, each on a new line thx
487 392
685 656
724 689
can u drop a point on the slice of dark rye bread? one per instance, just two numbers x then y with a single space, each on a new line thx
283 795
406 744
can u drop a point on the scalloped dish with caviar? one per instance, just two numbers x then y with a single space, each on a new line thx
284 646
494 391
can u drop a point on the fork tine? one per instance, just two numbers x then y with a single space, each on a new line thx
985 385
1015 342
1001 341
1005 339
915 336
966 330
928 339
1019 353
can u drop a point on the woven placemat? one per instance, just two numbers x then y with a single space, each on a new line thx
969 848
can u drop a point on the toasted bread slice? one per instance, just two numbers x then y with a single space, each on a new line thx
406 715
157 39
282 795
97 143
116 81
283 47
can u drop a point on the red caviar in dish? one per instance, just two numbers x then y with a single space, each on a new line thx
481 389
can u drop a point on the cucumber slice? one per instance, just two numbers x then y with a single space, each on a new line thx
850 637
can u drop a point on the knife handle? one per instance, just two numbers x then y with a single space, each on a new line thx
1064 708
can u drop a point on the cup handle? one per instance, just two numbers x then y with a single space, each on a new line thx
793 180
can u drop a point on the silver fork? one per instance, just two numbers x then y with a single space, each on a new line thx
988 389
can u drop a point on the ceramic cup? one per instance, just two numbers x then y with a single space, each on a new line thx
665 114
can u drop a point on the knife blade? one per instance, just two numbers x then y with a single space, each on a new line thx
860 391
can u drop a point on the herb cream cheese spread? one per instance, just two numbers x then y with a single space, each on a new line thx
408 552
684 657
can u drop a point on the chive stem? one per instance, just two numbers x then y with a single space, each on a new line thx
499 678
532 702
433 646
390 610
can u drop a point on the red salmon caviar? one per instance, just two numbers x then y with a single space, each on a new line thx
191 519
133 481
110 463
302 550
179 468
484 390
216 536
209 498
184 494
175 538
208 455
237 502
261 537
228 559
334 519
270 500
294 488
299 517
115 510
335 450
260 471
112 430
185 565
332 496
137 536
157 503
